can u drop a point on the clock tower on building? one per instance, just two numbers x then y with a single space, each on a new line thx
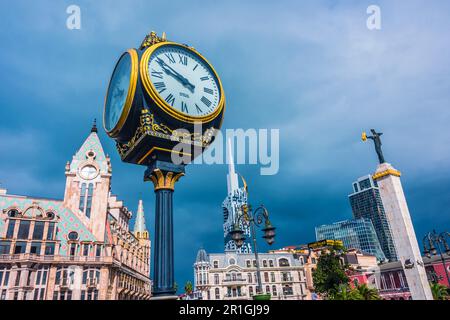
88 181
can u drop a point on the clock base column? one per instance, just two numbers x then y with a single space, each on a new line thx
164 175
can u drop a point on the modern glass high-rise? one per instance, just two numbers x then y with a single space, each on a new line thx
355 234
366 203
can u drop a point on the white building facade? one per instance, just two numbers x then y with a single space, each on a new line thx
232 276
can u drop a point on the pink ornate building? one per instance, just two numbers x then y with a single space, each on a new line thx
78 248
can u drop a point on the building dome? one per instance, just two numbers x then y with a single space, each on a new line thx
202 256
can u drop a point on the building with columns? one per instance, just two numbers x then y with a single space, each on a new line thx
77 248
232 276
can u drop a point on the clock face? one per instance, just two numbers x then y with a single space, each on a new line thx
119 87
184 80
88 172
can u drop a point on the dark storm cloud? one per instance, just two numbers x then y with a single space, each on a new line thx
310 68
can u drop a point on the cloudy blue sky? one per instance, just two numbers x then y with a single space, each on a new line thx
310 68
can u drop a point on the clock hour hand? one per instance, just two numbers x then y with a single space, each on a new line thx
185 82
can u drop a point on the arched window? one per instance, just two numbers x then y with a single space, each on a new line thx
82 196
267 289
86 198
250 278
283 262
91 276
274 290
250 290
89 200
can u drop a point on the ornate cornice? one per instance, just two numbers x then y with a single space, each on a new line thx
388 172
149 126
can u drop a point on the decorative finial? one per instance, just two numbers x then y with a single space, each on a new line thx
151 39
94 126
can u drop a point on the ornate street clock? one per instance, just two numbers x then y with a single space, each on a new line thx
162 95
163 100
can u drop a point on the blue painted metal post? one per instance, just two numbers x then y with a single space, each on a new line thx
164 175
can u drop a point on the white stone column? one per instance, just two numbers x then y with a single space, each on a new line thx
397 214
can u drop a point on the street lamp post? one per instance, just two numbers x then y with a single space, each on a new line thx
253 218
432 243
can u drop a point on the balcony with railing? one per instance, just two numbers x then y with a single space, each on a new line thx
287 279
239 280
240 296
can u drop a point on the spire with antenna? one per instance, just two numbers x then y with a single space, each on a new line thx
94 126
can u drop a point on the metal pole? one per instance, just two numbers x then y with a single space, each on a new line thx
163 267
164 175
258 270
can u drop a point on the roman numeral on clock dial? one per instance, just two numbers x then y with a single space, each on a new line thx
170 57
160 86
208 90
199 110
170 99
206 101
157 74
204 78
183 59
184 107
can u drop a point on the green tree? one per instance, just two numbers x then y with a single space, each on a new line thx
367 293
440 292
329 274
344 292
188 287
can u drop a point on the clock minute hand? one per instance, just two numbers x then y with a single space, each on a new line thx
179 77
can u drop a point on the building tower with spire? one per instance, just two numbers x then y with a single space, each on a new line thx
80 247
142 235
140 229
236 198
